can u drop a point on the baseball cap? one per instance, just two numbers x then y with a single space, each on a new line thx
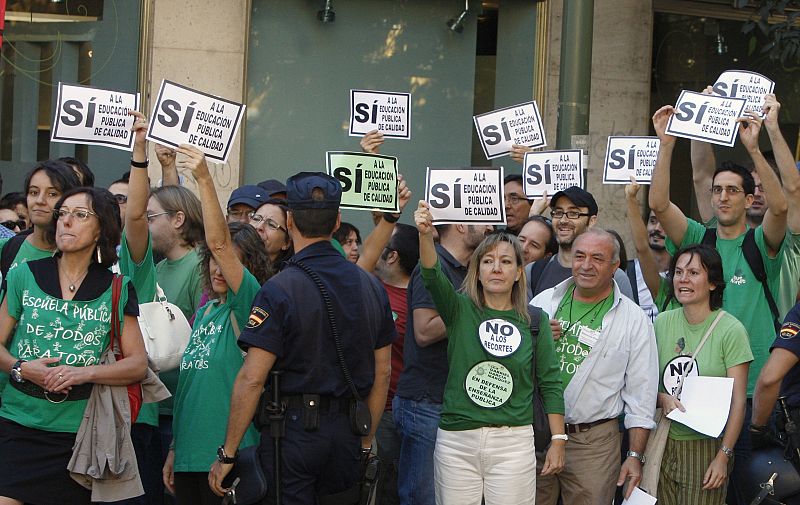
579 197
274 188
249 195
300 188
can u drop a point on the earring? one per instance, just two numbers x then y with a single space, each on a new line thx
99 258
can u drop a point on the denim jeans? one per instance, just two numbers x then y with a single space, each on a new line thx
417 423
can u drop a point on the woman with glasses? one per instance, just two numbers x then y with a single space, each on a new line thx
485 442
44 185
270 222
54 327
233 267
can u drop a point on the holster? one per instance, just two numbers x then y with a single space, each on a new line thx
360 418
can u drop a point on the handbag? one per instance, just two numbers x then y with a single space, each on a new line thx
657 441
165 331
135 396
246 482
541 423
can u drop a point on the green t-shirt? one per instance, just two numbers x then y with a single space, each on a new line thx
744 297
143 277
789 280
180 280
580 327
490 358
208 370
726 347
75 331
27 252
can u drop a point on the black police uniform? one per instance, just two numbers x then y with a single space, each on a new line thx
789 339
289 319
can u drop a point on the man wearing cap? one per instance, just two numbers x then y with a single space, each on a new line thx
609 366
573 210
289 330
243 201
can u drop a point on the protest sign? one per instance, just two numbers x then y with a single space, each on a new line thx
369 181
744 84
185 116
500 129
707 118
465 195
387 112
551 171
94 116
628 157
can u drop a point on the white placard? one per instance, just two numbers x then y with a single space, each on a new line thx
639 497
387 112
369 181
500 129
499 337
94 116
744 84
465 195
707 401
708 118
551 171
628 157
186 116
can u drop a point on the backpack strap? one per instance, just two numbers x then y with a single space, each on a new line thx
756 263
710 237
535 313
631 271
10 251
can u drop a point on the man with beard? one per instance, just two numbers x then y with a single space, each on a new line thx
661 258
574 210
418 400
732 193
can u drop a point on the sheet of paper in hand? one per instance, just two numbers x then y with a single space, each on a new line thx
628 157
707 118
466 195
183 115
369 181
94 116
502 128
552 171
387 112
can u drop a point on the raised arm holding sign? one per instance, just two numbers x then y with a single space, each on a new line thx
706 117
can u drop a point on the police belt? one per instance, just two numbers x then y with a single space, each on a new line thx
327 404
81 392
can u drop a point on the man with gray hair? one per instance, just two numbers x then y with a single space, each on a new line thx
609 366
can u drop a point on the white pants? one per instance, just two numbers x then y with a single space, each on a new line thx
498 464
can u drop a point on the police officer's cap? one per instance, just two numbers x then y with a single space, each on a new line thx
300 188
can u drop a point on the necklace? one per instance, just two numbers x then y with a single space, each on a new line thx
72 282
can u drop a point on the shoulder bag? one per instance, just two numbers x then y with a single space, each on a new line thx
165 331
135 396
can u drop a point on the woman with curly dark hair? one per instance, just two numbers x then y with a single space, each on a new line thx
233 266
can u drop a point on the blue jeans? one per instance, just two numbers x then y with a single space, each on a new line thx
416 423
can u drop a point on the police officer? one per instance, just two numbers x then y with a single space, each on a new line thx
289 330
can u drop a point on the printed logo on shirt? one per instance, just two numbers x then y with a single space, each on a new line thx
672 373
499 337
789 330
257 316
489 384
738 278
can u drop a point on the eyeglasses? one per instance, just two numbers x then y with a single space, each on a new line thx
514 199
731 190
78 213
150 217
571 214
238 214
14 224
121 198
271 224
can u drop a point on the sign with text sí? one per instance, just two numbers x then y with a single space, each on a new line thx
465 195
628 157
552 171
369 181
744 84
387 112
502 128
707 118
94 116
186 116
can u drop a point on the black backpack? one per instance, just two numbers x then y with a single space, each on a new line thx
10 251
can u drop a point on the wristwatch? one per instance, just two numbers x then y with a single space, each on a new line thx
16 371
223 458
727 451
634 454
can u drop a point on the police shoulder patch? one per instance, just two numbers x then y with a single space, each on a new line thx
789 330
257 317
